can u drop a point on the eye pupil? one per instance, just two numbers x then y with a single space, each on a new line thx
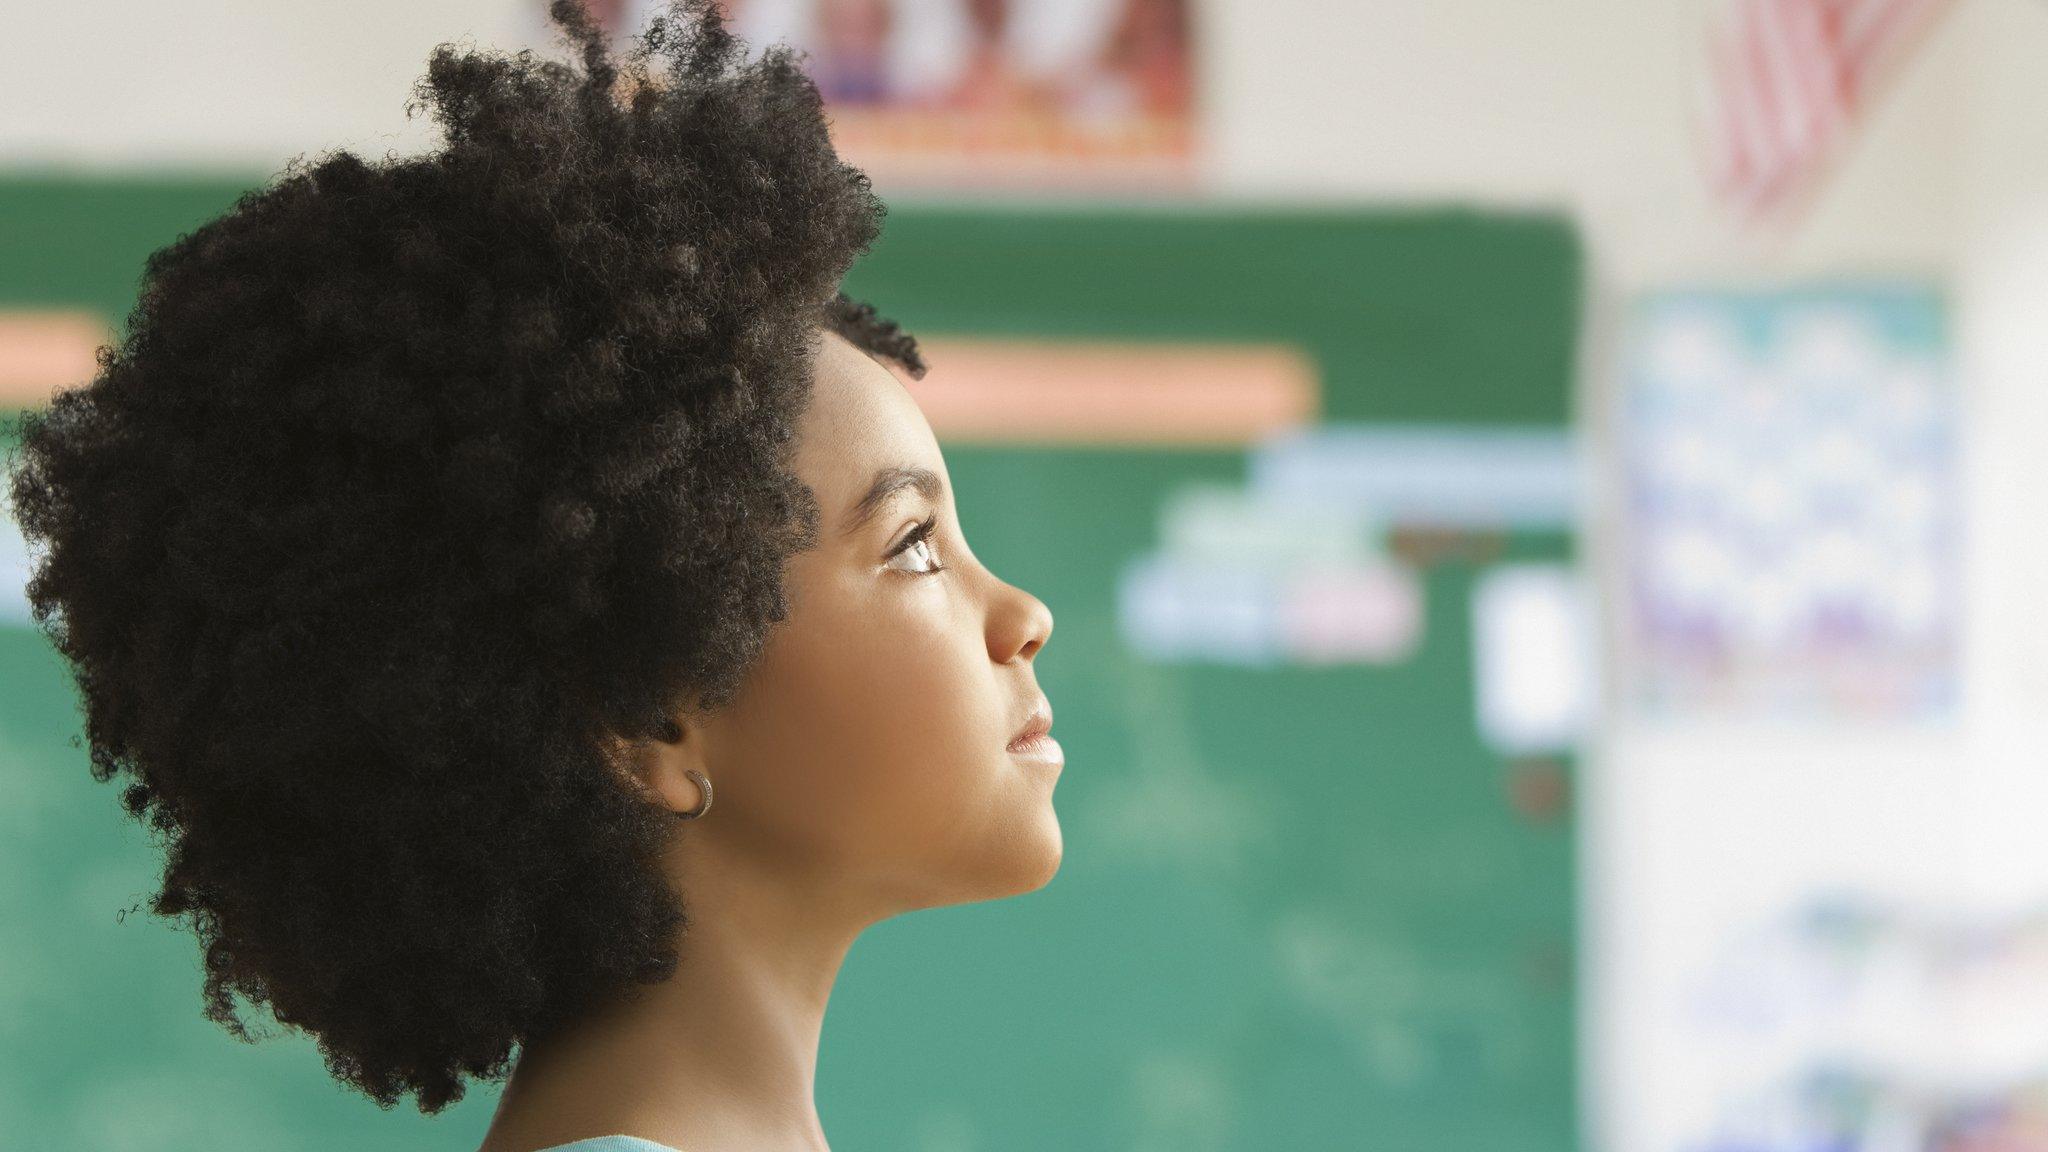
920 537
920 541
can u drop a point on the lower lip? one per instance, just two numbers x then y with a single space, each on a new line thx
1040 747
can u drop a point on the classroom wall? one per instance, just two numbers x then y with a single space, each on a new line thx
1573 101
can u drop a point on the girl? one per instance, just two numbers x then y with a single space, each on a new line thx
443 531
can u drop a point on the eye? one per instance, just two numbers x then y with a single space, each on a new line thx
918 543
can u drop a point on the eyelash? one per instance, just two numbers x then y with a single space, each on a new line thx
921 532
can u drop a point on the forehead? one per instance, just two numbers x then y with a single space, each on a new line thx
860 418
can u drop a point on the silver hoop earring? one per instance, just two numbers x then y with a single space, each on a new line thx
704 805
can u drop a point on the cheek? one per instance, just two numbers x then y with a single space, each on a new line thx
878 729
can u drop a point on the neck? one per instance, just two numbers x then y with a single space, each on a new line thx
722 1055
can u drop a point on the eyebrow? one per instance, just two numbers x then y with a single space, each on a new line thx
887 483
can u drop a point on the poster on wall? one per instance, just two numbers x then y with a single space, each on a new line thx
1791 484
988 95
1846 1019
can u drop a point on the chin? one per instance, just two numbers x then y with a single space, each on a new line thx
1016 853
1050 872
1048 862
1029 863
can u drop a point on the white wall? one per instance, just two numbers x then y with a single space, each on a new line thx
1580 102
2002 297
236 85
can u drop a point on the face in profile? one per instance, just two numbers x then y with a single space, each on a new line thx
867 753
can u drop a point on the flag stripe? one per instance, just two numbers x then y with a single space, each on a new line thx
1785 79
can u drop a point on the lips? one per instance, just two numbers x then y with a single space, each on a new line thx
1036 726
1041 748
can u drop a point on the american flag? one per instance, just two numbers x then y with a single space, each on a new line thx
1787 80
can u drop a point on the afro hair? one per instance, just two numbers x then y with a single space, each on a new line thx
412 489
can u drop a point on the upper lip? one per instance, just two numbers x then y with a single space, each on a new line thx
1036 724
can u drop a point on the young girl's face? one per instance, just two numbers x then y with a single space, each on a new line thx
868 746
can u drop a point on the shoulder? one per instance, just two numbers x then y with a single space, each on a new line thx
611 1144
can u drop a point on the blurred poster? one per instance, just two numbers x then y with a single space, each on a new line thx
42 350
14 563
1791 481
1851 1022
1312 563
1251 578
991 94
1532 658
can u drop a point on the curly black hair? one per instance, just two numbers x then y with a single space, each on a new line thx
412 489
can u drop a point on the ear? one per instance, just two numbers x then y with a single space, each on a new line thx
658 768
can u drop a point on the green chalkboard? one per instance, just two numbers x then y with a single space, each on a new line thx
1298 908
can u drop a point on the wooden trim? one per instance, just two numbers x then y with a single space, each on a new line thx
978 390
43 351
1104 392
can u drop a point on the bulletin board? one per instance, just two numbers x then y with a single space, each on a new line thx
1302 904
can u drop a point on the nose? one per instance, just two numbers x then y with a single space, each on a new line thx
1018 626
